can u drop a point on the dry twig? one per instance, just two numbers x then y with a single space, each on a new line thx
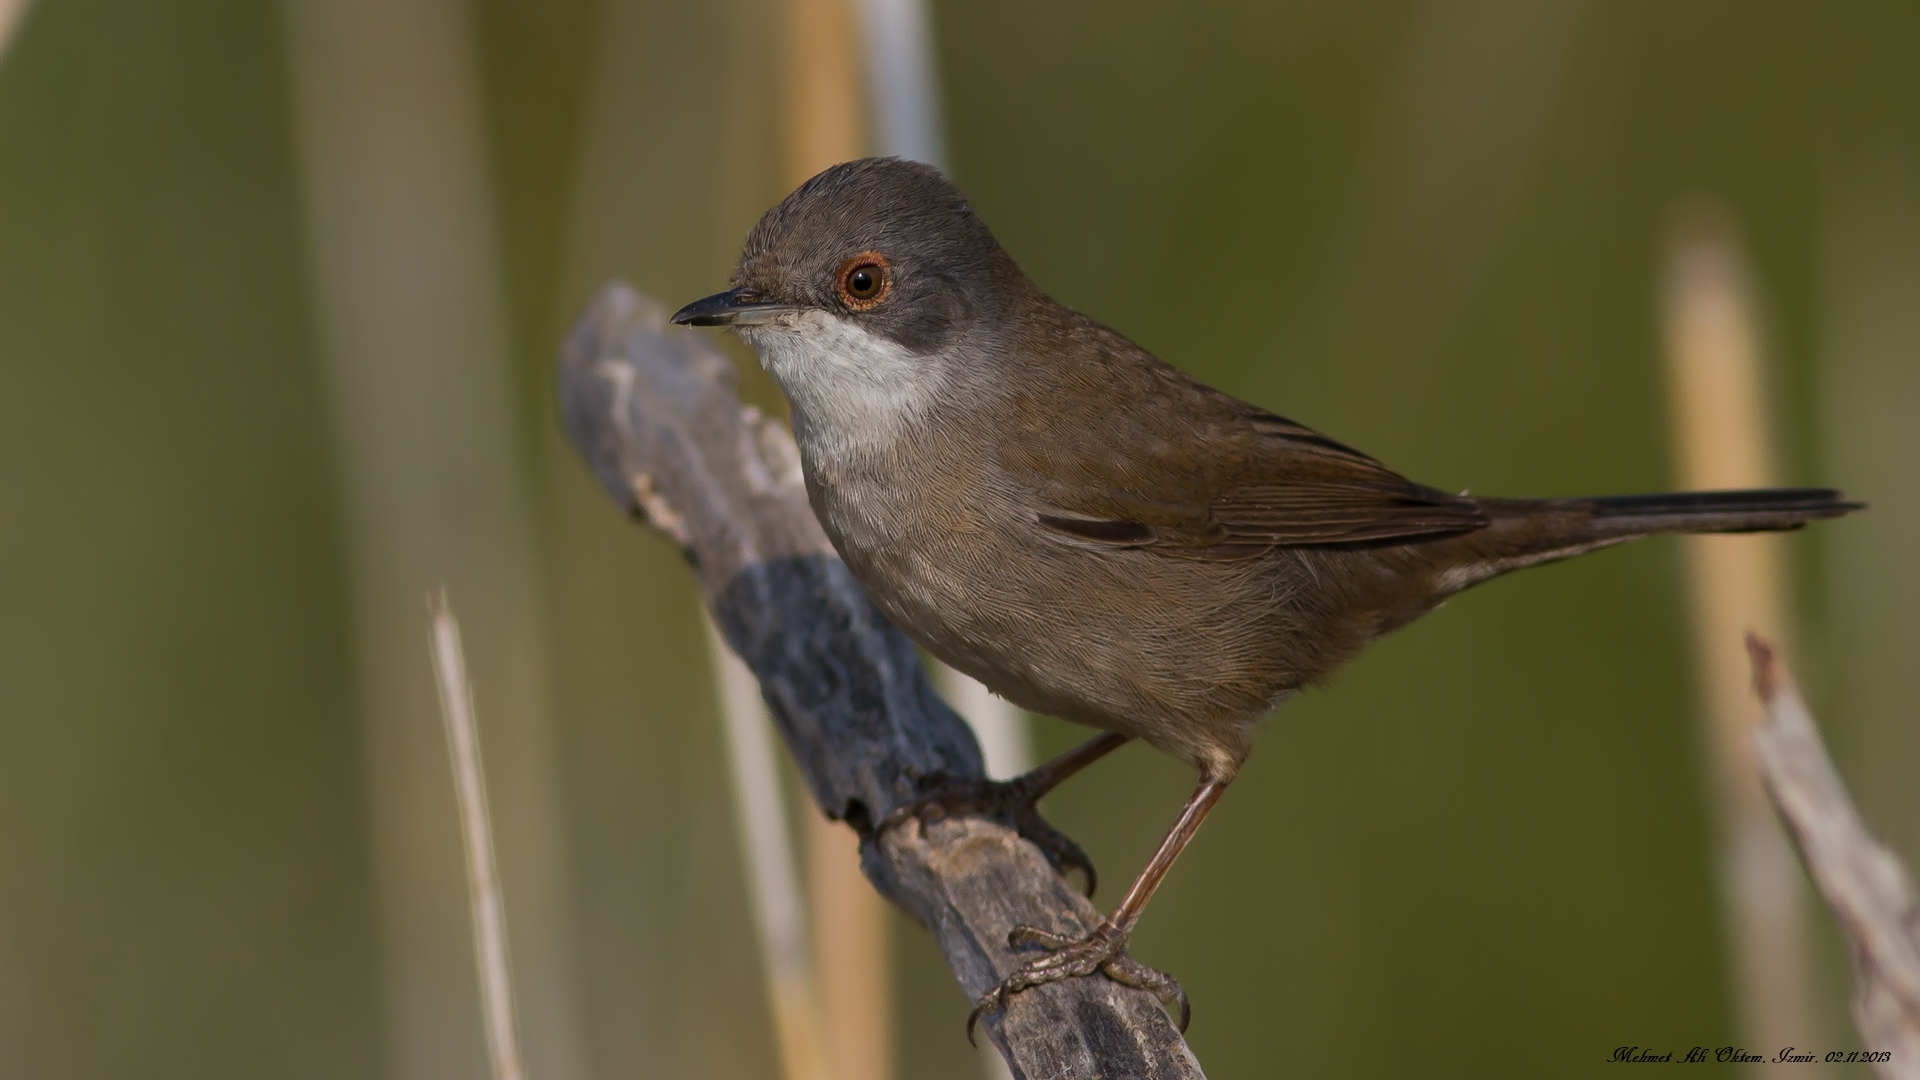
1869 891
476 828
1723 439
12 14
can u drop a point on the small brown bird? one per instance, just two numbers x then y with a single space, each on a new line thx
1089 531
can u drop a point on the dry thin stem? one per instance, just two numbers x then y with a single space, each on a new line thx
823 120
13 13
778 913
1723 439
476 827
1865 884
387 122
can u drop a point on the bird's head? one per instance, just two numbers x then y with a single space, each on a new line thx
878 264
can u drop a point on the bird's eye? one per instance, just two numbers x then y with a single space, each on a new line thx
864 280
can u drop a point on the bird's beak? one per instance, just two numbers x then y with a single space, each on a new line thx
735 307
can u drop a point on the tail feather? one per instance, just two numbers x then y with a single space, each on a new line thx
1757 510
1528 532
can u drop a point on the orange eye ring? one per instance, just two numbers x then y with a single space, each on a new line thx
865 280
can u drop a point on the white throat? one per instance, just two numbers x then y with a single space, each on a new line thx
850 390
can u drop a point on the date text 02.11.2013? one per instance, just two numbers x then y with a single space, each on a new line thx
1726 1055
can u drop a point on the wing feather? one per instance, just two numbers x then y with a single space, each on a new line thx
1186 470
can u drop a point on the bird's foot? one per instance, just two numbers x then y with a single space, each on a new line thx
1103 951
1015 801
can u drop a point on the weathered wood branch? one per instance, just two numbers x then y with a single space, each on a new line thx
1863 882
654 412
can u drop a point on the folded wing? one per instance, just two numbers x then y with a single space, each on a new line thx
1236 482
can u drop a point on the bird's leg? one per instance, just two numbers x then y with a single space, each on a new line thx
1104 950
1017 800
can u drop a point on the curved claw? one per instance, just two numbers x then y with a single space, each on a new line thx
993 1000
1126 970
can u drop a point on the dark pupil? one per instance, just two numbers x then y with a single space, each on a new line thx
861 283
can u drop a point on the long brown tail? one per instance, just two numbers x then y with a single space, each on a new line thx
1528 532
1757 510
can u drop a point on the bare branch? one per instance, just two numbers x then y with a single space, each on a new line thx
654 413
1868 889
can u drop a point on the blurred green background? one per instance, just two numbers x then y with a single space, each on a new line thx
1434 230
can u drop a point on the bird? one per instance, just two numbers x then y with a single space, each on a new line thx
1088 530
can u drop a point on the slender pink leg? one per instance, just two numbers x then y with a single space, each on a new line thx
1104 950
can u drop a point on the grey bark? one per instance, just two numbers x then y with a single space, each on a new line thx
654 412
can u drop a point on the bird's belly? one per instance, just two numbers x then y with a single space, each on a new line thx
1185 654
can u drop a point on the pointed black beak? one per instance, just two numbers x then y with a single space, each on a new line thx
735 307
